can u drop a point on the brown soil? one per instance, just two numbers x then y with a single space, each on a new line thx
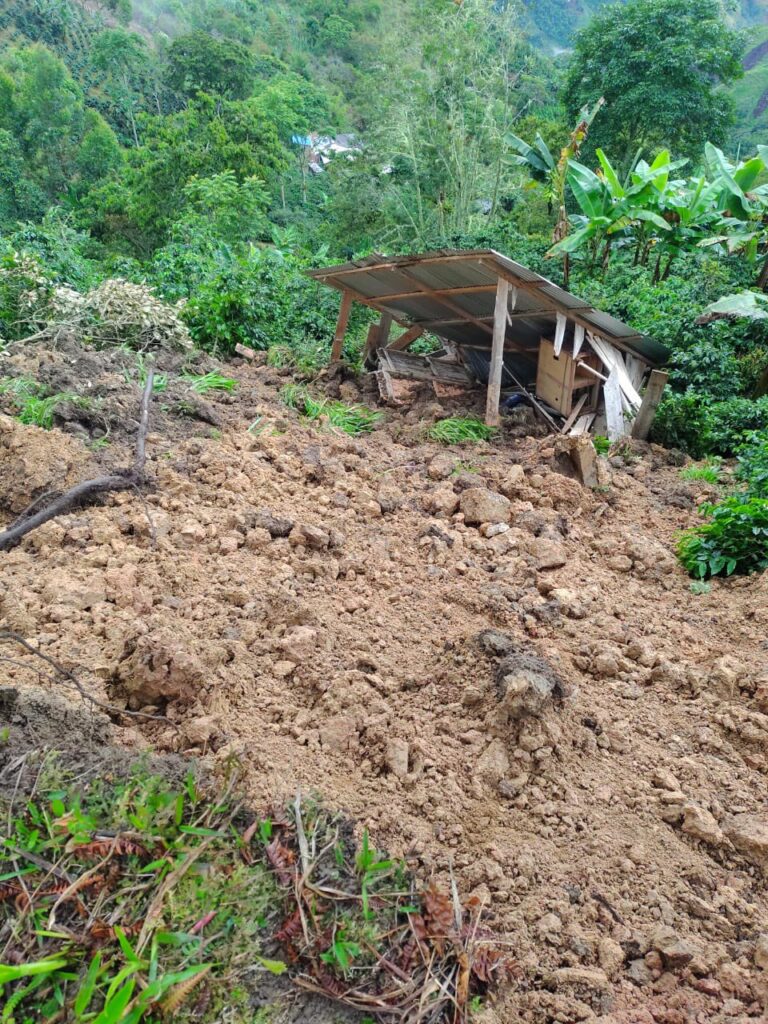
548 710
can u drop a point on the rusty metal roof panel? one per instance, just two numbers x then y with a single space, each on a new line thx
408 279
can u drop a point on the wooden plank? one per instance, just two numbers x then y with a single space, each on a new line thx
405 340
574 415
467 289
614 412
582 425
492 414
341 326
642 425
384 383
370 341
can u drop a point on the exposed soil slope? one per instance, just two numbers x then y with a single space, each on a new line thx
546 708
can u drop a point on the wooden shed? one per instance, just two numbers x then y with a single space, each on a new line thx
504 326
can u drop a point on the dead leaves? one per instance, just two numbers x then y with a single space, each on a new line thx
282 860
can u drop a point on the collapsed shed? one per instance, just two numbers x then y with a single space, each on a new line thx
505 326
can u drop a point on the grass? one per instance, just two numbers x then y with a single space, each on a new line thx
709 472
130 902
351 419
33 408
460 429
19 386
39 412
212 381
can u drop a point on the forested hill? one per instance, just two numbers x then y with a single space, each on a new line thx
554 22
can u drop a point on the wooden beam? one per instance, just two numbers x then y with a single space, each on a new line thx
415 261
406 340
642 425
448 303
365 301
462 290
341 326
492 414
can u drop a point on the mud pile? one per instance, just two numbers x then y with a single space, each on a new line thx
497 671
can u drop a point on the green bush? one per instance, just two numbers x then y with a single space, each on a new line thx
263 299
752 469
735 540
699 426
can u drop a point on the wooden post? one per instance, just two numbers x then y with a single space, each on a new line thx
385 325
492 415
642 425
341 326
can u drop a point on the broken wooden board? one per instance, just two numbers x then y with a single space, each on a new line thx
427 368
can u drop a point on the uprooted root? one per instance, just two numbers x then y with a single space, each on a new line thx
358 930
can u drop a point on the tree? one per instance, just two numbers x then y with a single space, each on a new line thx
207 138
64 145
198 62
658 63
122 57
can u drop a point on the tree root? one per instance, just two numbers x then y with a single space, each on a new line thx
86 492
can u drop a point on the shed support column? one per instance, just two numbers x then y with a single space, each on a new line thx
492 415
341 326
641 428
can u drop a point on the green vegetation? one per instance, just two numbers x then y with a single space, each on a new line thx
213 381
667 58
129 901
458 429
735 540
709 472
735 537
352 419
602 444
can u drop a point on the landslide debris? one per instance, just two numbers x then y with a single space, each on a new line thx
497 671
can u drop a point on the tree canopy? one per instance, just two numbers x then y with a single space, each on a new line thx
659 65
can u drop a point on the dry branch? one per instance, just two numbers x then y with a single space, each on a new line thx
87 491
67 676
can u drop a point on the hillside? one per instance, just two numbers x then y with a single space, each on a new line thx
321 606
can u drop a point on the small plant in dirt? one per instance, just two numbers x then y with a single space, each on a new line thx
213 381
159 381
602 444
357 927
460 429
352 419
709 472
735 540
130 902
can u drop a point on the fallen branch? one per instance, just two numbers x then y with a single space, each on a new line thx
84 493
70 677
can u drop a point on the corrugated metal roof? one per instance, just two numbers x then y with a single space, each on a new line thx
451 292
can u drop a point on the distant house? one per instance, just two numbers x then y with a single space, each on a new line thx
319 150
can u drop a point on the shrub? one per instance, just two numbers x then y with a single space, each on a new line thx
752 469
701 427
263 299
679 423
735 540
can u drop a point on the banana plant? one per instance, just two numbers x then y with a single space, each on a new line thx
612 211
742 206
